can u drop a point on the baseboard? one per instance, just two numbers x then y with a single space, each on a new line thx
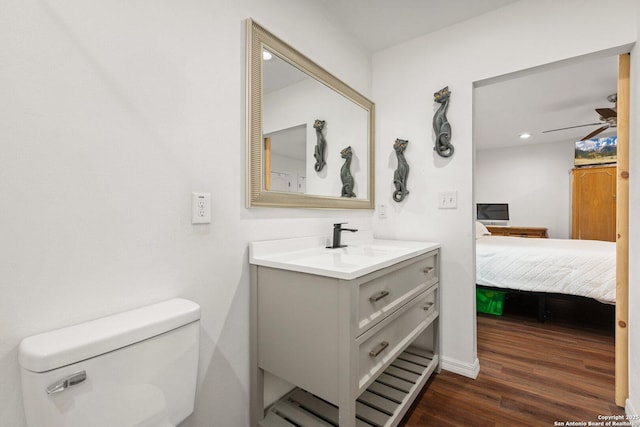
632 414
470 370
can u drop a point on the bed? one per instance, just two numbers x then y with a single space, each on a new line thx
584 268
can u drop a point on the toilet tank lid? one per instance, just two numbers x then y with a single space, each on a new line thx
61 347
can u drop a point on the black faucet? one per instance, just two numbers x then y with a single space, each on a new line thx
337 232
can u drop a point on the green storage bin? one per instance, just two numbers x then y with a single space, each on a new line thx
489 301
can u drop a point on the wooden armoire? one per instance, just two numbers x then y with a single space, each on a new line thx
593 200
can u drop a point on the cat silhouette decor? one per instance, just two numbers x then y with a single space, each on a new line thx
402 171
441 126
321 145
345 173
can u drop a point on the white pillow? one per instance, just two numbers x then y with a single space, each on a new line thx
481 230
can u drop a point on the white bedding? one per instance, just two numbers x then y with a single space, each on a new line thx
574 267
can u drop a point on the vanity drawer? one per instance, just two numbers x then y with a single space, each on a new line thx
382 296
376 352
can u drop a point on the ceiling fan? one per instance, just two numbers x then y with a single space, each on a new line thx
608 116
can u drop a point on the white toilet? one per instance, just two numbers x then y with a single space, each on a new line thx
136 368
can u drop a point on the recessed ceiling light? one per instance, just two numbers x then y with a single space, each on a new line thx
525 135
266 55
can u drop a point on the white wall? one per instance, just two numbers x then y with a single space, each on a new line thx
112 113
522 35
535 180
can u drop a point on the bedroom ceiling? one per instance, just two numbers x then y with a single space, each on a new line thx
556 96
552 97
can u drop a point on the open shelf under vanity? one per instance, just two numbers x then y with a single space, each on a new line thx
384 403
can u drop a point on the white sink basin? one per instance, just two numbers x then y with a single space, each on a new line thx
309 255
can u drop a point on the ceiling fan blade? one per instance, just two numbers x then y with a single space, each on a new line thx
571 127
607 112
595 132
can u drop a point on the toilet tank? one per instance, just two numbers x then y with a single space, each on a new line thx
136 368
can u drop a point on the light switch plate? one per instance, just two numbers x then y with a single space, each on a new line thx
448 200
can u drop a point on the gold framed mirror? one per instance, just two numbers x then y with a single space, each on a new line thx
286 94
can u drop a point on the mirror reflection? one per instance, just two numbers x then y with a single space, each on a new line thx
293 102
308 118
285 159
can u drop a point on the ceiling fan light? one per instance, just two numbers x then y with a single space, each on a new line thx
525 135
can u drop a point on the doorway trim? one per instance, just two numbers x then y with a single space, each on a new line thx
622 235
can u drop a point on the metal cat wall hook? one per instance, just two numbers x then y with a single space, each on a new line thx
321 146
441 125
402 172
345 173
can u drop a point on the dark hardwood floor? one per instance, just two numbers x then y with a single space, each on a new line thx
531 373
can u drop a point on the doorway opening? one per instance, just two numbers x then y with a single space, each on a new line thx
555 105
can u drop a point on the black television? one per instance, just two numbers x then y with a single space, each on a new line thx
492 211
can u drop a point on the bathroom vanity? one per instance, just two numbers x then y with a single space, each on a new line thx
354 329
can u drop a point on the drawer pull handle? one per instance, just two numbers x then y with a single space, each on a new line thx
381 347
428 270
378 296
428 306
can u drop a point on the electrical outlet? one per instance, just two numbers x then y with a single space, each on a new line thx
448 200
382 211
200 208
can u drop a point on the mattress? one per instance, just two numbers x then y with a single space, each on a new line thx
574 267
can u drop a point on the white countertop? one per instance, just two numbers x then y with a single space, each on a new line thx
309 255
